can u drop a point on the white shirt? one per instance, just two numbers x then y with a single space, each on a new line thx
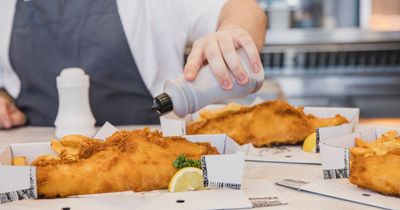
157 33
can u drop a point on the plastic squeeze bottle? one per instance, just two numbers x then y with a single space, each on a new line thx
186 97
74 114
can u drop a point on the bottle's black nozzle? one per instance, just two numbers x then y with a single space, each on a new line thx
162 104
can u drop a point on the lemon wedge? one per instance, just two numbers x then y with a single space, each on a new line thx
186 179
310 144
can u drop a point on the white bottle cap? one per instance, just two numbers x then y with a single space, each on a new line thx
71 77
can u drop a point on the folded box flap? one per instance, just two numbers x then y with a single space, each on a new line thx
346 141
232 147
31 150
172 126
6 156
24 188
105 131
223 171
335 157
326 133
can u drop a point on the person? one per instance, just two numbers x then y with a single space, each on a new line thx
127 47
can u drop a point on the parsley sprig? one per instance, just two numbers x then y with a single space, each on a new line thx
183 162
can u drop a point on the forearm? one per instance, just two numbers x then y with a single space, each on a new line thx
246 14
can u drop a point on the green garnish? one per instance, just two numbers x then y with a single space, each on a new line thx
183 162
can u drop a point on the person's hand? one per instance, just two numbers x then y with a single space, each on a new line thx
10 115
219 50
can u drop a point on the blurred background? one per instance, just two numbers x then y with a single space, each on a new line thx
334 53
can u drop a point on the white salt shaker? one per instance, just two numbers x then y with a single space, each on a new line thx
184 97
74 114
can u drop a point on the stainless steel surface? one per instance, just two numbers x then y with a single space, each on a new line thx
341 67
324 36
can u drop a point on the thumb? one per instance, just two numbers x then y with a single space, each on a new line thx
5 115
17 116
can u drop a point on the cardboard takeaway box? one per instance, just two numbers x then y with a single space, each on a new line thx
336 170
261 193
174 126
19 182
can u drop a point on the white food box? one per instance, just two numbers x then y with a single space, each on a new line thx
219 171
174 126
261 193
335 164
128 200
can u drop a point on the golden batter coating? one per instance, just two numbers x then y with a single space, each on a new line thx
266 124
375 165
138 160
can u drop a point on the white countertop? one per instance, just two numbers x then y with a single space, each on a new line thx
272 172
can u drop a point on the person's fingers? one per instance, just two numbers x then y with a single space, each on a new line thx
217 64
250 47
231 59
17 117
5 116
194 61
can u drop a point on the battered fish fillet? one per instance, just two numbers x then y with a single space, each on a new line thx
375 165
138 160
266 124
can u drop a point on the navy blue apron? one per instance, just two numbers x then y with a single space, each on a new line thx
50 35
